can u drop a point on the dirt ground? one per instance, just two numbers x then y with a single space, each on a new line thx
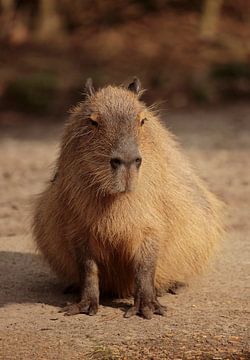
208 320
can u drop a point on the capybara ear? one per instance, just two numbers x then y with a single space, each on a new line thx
135 86
89 88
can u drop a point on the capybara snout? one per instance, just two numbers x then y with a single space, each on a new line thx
126 158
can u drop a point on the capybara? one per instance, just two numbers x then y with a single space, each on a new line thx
125 214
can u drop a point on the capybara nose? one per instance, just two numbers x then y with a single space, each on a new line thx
116 162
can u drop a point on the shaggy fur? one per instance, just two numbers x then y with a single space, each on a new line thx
87 206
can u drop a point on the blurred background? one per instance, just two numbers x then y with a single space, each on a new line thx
187 52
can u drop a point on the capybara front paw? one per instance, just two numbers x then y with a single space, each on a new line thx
89 307
146 309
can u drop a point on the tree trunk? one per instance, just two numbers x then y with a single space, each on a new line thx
7 16
49 21
209 20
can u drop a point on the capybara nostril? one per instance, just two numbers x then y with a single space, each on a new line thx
115 163
138 161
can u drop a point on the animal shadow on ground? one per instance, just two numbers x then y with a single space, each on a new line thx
25 278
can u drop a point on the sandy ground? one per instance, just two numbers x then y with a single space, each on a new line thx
205 321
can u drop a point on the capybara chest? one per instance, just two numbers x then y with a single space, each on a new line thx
115 266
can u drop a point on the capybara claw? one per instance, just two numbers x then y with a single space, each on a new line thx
83 307
146 310
131 312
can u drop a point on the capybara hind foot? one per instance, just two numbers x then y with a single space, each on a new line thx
89 307
146 308
175 286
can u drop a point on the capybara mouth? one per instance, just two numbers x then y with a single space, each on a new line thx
123 184
122 188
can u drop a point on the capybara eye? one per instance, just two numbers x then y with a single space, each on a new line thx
93 122
143 121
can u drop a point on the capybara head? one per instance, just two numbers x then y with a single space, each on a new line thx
109 134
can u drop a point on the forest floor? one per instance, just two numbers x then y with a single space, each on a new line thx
208 320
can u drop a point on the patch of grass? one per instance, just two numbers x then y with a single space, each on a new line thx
232 71
201 93
32 93
159 80
232 80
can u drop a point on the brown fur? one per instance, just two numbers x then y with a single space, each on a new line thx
85 206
